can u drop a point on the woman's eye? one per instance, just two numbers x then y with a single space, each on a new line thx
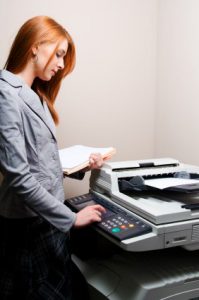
58 55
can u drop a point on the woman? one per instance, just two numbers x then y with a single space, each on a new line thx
34 223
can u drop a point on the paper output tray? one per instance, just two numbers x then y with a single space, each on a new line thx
185 188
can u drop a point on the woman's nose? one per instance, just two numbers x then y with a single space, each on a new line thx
61 64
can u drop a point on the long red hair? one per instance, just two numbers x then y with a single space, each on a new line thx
41 29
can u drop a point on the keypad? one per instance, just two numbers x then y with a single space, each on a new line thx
115 221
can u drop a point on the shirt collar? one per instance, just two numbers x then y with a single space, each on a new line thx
11 78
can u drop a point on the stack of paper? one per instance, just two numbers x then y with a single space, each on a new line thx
76 158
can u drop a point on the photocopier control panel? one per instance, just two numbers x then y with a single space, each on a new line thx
116 222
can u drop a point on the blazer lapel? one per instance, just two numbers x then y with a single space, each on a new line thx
34 103
28 96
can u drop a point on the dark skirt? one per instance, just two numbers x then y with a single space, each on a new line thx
35 262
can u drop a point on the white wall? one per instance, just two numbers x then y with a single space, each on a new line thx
177 106
113 97
109 99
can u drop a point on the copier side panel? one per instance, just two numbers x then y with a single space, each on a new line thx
172 274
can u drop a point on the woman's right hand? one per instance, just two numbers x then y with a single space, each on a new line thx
88 215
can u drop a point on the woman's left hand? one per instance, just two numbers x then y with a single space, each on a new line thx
95 161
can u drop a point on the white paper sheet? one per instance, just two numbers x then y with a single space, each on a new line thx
78 154
162 183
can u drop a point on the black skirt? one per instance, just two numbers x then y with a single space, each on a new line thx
35 262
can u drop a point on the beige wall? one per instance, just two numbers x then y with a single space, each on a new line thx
177 103
136 82
109 99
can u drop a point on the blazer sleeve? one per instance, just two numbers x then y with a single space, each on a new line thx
77 175
14 165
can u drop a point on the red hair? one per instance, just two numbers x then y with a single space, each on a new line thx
41 29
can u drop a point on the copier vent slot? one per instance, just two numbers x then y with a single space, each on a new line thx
195 233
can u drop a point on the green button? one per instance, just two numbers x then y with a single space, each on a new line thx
116 229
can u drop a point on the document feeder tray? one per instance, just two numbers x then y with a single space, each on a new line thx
139 183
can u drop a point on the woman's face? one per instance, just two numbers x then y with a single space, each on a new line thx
49 61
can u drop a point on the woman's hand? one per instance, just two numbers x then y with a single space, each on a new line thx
95 162
88 215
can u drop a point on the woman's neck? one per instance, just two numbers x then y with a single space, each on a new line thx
27 75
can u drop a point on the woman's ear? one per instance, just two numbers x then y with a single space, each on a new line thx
34 50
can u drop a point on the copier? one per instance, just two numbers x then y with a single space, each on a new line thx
145 223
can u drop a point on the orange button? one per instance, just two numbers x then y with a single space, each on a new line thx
123 226
131 225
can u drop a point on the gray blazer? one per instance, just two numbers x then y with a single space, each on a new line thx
29 161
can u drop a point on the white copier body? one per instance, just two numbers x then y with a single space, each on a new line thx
137 272
172 224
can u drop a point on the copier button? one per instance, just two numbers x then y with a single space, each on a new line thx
116 229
